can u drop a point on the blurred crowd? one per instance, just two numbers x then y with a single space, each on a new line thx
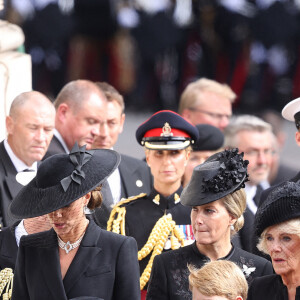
150 50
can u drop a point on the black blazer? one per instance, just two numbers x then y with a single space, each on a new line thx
8 247
55 147
105 266
133 172
9 187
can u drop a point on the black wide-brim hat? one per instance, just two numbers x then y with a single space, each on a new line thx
282 204
63 178
166 130
220 175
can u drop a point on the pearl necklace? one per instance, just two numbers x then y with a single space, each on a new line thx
68 246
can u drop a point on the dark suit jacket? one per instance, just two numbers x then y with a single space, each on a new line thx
8 247
55 147
105 266
9 187
132 172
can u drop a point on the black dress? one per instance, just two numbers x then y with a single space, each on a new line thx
270 288
169 277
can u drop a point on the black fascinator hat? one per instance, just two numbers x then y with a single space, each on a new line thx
63 178
282 204
221 174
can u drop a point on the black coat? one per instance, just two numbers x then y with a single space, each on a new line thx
105 266
55 147
9 187
169 277
269 288
133 172
8 247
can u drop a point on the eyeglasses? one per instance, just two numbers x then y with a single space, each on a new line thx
215 116
256 153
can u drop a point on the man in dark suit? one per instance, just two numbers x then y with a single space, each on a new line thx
79 107
255 138
132 176
29 127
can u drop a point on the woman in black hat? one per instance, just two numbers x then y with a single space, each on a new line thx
151 219
75 259
277 223
218 201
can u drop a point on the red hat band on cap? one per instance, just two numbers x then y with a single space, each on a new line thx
166 131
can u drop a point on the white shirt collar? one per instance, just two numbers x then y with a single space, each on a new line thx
20 231
60 138
19 164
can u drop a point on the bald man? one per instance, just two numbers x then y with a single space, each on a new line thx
29 126
79 107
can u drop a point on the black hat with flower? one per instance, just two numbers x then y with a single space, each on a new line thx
221 174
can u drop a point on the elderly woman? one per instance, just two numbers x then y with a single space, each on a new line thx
218 201
218 280
278 225
75 259
151 218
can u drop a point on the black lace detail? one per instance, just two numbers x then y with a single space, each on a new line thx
232 172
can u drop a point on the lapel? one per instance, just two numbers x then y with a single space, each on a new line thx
49 262
10 172
128 183
84 257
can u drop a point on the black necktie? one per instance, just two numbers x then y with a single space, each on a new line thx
258 193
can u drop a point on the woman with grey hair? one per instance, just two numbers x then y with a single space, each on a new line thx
278 225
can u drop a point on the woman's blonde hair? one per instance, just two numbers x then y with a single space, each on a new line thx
235 203
289 227
219 278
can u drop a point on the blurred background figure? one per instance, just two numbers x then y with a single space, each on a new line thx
279 172
218 280
253 137
47 27
210 141
30 126
207 102
277 224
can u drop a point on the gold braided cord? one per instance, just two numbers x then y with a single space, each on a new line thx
164 228
116 210
6 280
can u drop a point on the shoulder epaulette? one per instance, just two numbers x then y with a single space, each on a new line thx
117 223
